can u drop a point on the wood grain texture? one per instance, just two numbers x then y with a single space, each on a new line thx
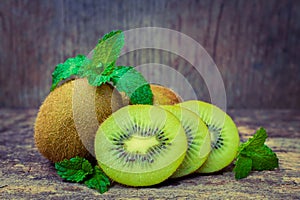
25 174
255 44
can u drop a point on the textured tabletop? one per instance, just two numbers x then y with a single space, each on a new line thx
25 174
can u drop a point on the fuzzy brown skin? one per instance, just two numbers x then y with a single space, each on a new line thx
164 96
161 96
55 135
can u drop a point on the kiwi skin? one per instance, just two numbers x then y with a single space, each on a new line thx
164 96
161 96
55 132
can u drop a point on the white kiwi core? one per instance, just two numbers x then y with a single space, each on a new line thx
140 144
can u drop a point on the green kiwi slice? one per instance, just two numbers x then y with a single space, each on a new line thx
140 145
198 139
224 135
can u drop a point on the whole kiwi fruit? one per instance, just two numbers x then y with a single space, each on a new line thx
164 95
65 111
161 96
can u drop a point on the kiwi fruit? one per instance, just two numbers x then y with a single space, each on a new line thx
164 96
161 96
125 99
223 131
198 139
55 131
140 145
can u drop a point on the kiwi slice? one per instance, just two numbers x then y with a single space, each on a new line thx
198 139
140 145
55 131
223 131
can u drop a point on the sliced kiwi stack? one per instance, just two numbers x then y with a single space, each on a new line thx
198 139
224 135
55 131
140 145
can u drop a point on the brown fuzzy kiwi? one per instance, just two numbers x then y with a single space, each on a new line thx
56 132
161 96
125 99
164 96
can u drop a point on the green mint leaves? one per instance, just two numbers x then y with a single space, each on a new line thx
67 69
109 48
255 155
243 167
102 69
98 181
79 169
129 80
105 54
76 169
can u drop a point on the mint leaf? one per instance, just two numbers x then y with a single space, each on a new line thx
109 35
104 56
142 95
79 169
261 156
98 181
109 48
97 78
76 169
64 70
243 167
127 79
258 140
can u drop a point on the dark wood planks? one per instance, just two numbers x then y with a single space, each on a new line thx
255 44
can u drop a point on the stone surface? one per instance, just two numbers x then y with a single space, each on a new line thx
25 174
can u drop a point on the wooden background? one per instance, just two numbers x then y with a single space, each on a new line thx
255 44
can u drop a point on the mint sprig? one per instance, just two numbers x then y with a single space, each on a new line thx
105 54
101 69
76 169
254 155
80 170
67 69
